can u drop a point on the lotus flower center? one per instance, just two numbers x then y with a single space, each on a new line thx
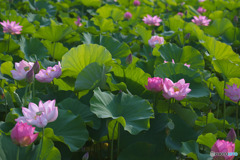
176 88
39 113
52 70
26 68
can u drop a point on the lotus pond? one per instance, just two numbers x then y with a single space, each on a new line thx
119 79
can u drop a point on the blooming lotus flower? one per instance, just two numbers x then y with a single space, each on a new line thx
201 10
177 90
136 3
155 40
180 14
128 15
39 115
152 21
201 21
155 84
201 0
11 27
223 146
78 23
22 134
233 92
46 76
22 68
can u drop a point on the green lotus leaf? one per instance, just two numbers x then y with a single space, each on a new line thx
78 58
218 27
91 3
111 11
227 68
33 49
69 129
55 49
183 55
78 108
104 24
132 112
145 34
92 76
208 139
54 33
116 48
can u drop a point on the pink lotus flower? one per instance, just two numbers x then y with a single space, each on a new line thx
128 15
201 21
233 92
155 40
22 134
185 64
152 21
201 10
39 115
155 84
231 136
180 14
177 90
222 146
46 76
22 68
11 27
201 0
136 3
78 23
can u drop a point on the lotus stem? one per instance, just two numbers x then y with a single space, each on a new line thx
9 41
18 150
41 144
118 147
155 104
54 50
224 106
113 140
237 118
25 95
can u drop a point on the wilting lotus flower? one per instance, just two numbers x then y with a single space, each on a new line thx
180 14
201 10
201 21
46 76
223 147
231 136
128 15
233 92
22 68
136 3
22 134
152 21
177 90
155 84
78 23
155 40
39 115
11 27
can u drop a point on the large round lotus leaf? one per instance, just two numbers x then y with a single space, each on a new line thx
54 32
69 129
132 112
178 71
227 68
183 55
78 58
218 27
116 48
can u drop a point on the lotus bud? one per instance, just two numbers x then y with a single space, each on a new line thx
128 15
136 3
187 36
129 59
85 156
36 67
30 76
235 19
231 136
185 13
